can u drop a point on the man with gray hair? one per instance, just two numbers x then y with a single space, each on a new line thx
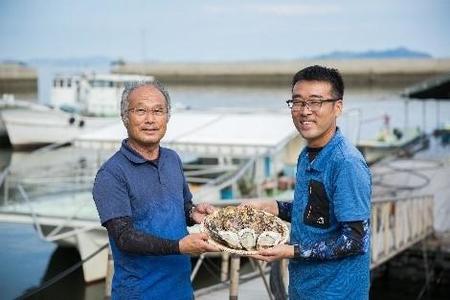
144 202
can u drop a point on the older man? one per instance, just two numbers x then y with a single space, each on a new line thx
329 243
144 202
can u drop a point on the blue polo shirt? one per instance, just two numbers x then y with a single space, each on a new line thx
128 185
335 187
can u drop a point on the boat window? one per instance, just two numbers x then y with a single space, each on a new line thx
61 82
97 83
69 83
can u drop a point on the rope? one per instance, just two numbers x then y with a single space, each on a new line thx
62 274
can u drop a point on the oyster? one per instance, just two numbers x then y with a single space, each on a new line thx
268 239
247 237
231 238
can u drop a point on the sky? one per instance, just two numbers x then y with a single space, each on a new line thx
230 30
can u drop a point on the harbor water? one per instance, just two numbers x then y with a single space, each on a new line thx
26 261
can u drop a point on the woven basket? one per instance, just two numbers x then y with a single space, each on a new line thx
226 248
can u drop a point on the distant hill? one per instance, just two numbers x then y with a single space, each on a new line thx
400 52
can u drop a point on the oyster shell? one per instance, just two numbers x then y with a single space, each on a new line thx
248 238
231 238
268 239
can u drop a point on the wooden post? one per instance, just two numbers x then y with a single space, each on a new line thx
109 274
225 266
284 272
263 277
197 266
234 276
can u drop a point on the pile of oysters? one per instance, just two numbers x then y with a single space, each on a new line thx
245 228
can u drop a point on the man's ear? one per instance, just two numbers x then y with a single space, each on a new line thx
339 106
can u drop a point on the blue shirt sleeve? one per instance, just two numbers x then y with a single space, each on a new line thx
111 196
346 243
352 191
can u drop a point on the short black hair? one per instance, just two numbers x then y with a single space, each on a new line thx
321 73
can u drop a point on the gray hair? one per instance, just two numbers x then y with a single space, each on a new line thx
130 87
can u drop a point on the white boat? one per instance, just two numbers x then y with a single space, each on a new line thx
226 155
7 102
31 128
81 103
91 94
393 142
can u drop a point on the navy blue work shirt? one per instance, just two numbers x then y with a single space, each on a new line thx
334 188
128 185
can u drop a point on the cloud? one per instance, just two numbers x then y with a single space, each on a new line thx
276 9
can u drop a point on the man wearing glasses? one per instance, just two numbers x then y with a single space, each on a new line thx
144 202
330 232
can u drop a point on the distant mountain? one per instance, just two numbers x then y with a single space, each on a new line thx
400 52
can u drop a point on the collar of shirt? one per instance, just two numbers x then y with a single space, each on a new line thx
322 156
135 157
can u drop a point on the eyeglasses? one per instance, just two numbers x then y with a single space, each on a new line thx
142 111
312 105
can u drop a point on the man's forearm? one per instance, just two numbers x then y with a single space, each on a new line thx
353 240
130 240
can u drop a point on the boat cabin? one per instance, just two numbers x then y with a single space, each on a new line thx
91 94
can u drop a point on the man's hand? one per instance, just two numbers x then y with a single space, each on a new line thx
268 205
275 253
196 243
201 211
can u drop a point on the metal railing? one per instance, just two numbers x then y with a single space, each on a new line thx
399 223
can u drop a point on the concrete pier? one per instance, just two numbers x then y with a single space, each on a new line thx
17 78
362 72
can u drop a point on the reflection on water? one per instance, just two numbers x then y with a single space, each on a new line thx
70 287
403 277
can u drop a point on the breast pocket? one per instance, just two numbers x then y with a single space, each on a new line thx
317 212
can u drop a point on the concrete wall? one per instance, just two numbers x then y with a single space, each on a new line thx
355 72
16 78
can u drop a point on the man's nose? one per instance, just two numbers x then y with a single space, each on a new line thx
149 117
305 111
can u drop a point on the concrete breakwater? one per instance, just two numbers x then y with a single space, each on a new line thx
17 78
356 72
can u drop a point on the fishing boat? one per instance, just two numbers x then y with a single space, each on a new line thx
9 102
393 142
78 103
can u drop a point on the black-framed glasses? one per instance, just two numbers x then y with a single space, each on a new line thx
312 105
142 111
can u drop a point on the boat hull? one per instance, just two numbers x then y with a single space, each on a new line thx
32 129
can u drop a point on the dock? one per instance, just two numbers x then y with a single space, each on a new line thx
407 216
356 72
410 205
433 88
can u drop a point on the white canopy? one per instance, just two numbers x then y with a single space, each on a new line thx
214 133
